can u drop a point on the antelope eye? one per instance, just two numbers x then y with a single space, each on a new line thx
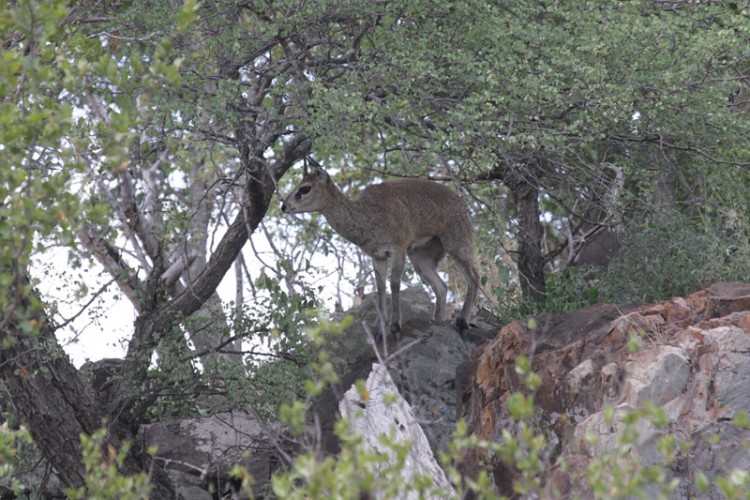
301 191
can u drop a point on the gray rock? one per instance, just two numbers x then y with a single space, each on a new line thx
423 364
199 452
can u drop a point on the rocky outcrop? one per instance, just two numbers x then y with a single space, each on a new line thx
423 365
693 364
686 358
198 453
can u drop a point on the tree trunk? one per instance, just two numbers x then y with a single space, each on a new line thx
523 184
49 395
56 403
531 259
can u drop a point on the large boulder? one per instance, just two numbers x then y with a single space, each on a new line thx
423 364
198 453
693 363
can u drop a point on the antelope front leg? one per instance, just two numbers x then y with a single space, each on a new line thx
397 271
380 266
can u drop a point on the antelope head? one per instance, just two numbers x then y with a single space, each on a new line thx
314 193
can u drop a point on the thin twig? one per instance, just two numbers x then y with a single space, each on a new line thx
96 295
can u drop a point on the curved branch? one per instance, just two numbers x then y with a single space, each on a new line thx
111 259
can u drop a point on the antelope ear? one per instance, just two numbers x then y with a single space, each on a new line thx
321 174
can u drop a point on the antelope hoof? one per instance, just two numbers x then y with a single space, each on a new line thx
462 327
396 331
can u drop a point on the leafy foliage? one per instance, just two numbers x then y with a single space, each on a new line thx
103 478
136 135
12 443
686 255
36 164
276 369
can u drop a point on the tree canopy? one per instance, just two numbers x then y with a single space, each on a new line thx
150 138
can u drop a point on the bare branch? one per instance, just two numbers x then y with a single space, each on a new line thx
178 267
111 259
149 221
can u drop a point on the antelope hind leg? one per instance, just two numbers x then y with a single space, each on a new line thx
425 260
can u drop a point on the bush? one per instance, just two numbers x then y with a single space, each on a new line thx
671 257
103 477
675 257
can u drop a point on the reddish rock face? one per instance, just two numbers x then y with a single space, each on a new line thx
694 363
